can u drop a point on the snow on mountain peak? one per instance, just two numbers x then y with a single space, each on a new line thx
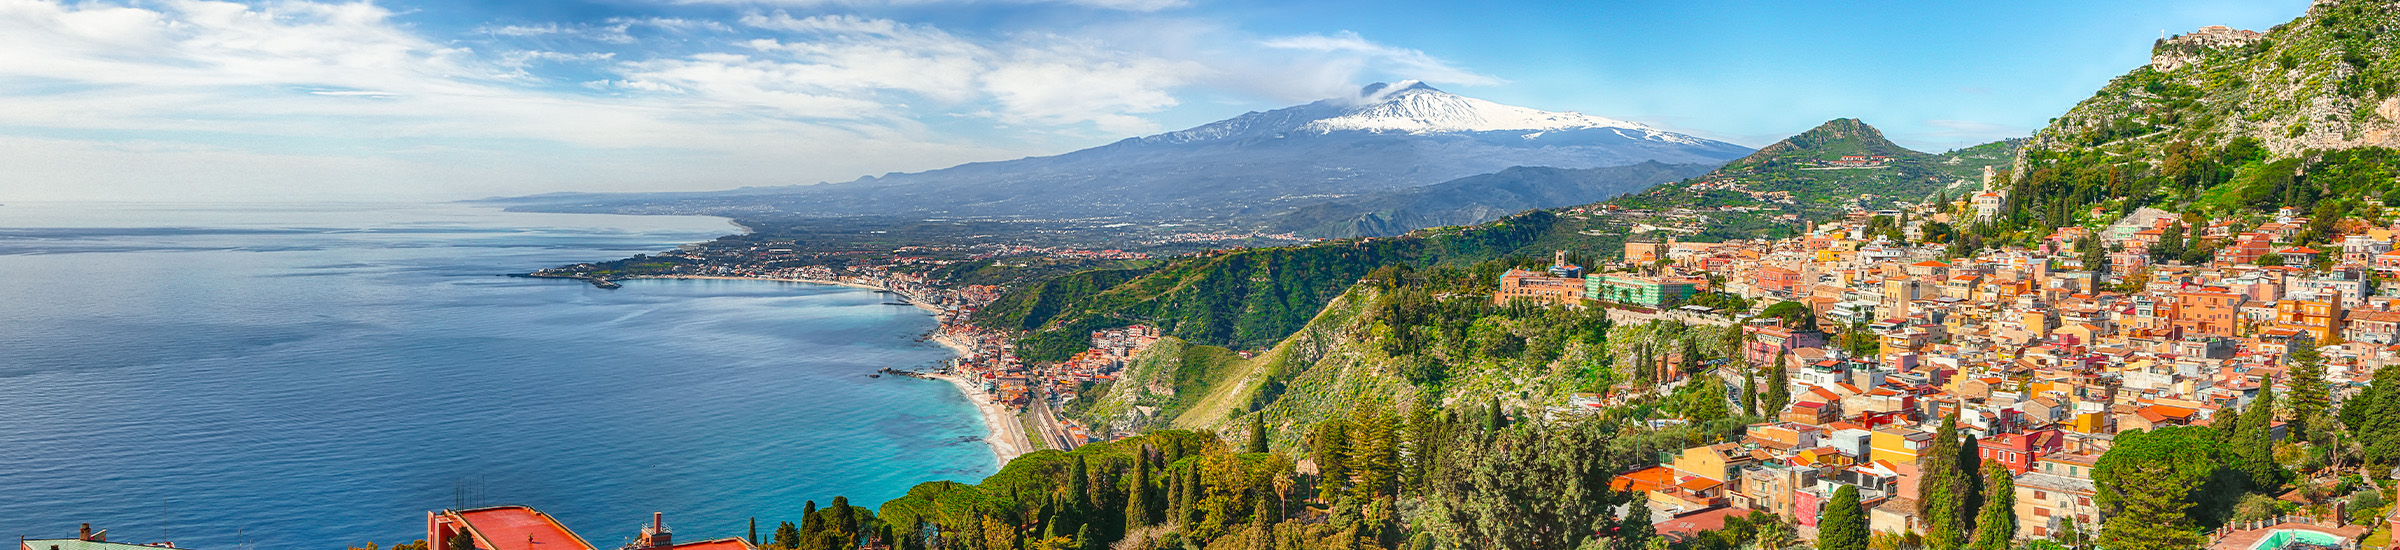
1413 107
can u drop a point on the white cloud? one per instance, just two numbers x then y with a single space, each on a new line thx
1038 79
1362 54
333 91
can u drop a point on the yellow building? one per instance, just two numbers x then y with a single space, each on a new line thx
1898 444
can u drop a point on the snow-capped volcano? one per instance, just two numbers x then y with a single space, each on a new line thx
1386 137
1412 106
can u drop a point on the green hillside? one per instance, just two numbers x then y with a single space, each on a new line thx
1252 298
2226 124
1804 176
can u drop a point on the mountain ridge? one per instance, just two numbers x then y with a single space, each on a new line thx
1250 166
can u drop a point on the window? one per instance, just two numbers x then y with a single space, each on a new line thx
2041 495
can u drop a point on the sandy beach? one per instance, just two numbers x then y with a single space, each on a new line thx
1007 435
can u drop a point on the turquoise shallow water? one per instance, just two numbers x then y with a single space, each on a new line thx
276 376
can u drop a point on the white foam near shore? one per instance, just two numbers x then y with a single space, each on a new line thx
1007 436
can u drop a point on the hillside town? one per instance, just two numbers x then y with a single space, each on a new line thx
2043 355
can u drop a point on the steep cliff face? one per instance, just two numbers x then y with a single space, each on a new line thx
2325 81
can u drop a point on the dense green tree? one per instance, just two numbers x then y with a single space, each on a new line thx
1634 530
1970 484
1941 503
1258 435
2253 446
1795 315
1140 510
1487 485
1843 524
2310 394
462 540
1996 526
2150 485
810 522
1749 393
1779 388
2373 417
787 536
1374 452
1330 447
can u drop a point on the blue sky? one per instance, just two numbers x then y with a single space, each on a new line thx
439 99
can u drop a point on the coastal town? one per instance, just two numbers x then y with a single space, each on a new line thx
2043 355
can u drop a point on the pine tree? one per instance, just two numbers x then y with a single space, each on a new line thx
2253 446
1330 447
462 540
1938 499
787 536
1843 524
1634 531
1258 435
1996 527
2309 392
1374 452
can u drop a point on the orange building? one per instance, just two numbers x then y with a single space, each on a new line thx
2318 314
1780 281
1519 284
2209 311
523 528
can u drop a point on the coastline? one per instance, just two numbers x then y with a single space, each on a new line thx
1002 430
920 305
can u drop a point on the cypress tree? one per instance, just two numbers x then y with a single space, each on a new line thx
844 520
1970 484
1137 497
1938 499
1079 488
1084 539
810 524
1749 393
1258 435
754 531
1843 525
1779 388
1996 527
1493 419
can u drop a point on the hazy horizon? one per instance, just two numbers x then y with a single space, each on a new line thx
448 100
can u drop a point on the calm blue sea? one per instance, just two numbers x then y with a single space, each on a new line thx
312 377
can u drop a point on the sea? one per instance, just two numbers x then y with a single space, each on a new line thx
321 376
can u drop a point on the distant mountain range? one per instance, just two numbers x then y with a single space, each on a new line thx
1475 199
1250 167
